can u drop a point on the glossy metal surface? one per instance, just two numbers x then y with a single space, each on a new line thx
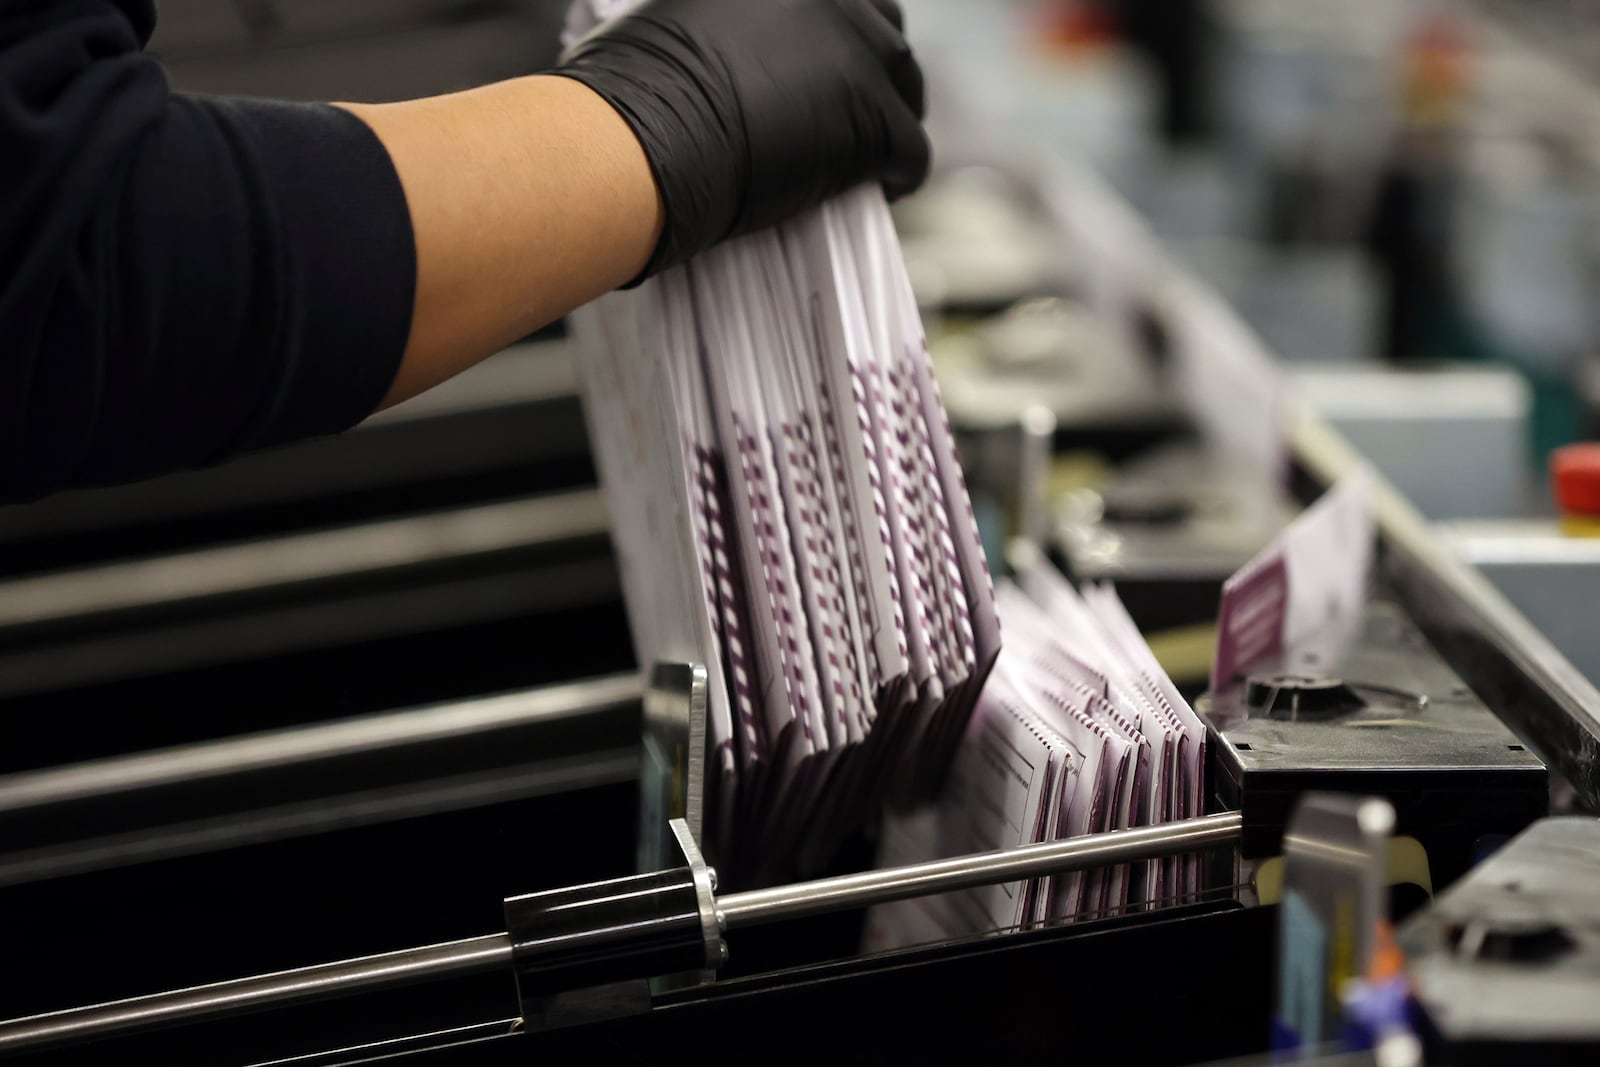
581 943
370 734
705 888
341 553
297 593
347 811
673 764
605 934
340 775
320 982
985 868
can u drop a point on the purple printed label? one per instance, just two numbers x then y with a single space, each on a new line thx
1250 621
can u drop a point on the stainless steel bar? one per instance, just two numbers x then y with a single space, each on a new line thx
322 815
399 609
278 748
363 549
736 909
805 899
320 982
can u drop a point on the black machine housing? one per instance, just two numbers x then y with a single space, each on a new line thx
1506 964
1378 713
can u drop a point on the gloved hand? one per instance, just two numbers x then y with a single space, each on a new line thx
753 110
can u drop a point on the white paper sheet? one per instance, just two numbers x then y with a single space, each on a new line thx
998 795
1311 578
1120 746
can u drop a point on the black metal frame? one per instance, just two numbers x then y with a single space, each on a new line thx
1508 663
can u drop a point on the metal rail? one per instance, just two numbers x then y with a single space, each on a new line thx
848 891
365 735
1513 667
494 951
242 995
367 548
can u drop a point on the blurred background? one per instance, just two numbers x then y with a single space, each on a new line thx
1374 185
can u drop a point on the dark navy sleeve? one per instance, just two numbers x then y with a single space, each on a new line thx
181 278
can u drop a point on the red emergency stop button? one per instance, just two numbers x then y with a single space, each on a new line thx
1575 474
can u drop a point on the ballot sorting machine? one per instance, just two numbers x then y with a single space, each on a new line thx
627 963
506 876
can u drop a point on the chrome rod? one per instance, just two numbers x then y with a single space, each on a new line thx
736 909
306 984
303 557
984 868
279 748
348 810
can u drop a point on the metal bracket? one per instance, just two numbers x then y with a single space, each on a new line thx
671 817
713 924
672 772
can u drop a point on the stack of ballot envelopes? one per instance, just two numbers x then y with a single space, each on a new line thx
788 509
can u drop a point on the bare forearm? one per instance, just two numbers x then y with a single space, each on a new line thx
528 198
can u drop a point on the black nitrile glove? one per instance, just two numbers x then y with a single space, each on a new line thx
753 110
